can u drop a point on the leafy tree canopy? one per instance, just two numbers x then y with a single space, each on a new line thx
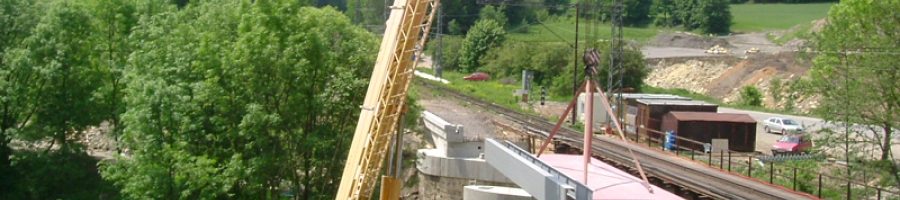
709 16
633 63
241 100
485 35
494 13
856 72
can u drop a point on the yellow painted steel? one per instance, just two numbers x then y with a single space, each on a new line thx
386 97
390 188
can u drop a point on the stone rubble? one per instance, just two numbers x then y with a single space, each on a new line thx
692 75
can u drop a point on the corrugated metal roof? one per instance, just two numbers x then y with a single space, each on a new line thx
712 117
650 96
674 102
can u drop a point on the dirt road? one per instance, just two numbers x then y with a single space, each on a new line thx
672 45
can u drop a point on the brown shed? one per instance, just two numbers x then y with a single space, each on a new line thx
629 101
630 106
739 129
651 111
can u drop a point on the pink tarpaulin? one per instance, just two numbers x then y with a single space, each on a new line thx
607 181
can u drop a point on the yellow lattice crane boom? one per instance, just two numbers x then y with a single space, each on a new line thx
406 29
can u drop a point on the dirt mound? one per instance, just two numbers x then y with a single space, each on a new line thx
818 25
756 70
687 40
799 43
722 78
692 75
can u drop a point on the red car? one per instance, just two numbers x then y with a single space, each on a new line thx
477 76
791 144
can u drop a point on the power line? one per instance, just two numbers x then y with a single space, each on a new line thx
466 15
560 37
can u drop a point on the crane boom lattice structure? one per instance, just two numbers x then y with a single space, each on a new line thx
407 27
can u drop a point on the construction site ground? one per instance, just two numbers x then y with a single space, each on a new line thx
677 60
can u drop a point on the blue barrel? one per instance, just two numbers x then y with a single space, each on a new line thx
670 140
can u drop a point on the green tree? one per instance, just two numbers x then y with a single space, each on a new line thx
713 16
633 11
17 18
485 35
856 72
517 15
114 21
64 79
180 3
455 28
637 11
464 12
494 13
49 90
776 90
369 12
710 16
450 46
750 96
546 60
557 10
232 99
662 12
635 70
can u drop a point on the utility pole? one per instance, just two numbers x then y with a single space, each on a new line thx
615 58
358 17
436 61
575 77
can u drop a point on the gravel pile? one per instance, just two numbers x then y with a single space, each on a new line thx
692 75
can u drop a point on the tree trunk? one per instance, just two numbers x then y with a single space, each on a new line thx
6 174
886 146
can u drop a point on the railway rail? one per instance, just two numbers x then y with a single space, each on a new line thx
663 166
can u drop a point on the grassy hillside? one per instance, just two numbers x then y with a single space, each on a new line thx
761 17
566 32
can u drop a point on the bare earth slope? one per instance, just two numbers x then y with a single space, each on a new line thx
677 61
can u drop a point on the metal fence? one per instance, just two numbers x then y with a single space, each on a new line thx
772 169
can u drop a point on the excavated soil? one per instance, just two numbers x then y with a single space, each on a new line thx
688 40
694 75
722 78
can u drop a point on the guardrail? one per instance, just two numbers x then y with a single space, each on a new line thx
771 170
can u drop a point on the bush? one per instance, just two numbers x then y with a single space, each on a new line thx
450 46
546 60
485 35
633 62
750 96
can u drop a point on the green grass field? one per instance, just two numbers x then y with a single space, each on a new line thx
565 31
747 18
491 90
761 17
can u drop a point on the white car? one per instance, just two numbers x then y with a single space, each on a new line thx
782 125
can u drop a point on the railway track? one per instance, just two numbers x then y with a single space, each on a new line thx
665 168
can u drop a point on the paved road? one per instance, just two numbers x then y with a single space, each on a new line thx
764 141
741 43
